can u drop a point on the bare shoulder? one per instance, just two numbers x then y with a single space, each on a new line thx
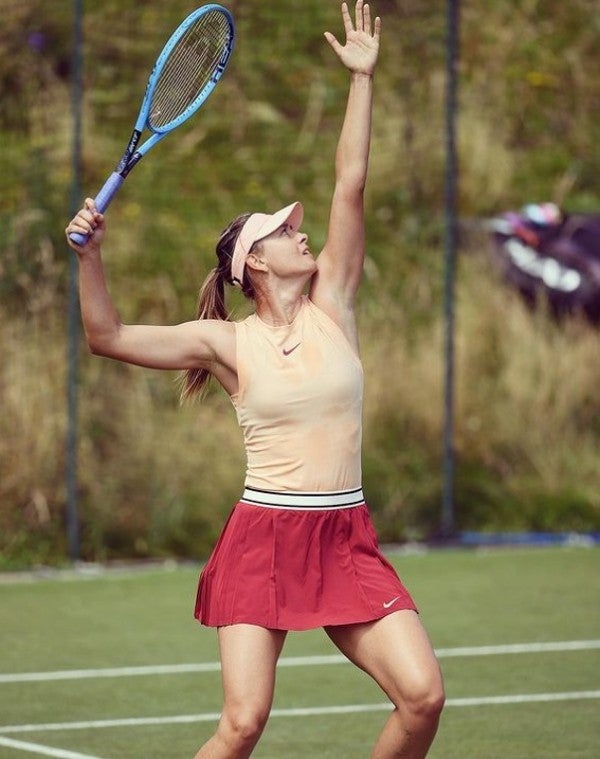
202 343
219 338
218 328
339 310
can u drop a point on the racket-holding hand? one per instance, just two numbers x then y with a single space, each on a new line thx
87 221
360 52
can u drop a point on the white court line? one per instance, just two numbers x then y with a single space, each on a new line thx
37 748
290 661
311 711
518 648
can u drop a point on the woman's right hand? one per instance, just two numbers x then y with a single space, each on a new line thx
87 221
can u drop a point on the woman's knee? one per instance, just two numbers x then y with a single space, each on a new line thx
432 701
243 726
424 698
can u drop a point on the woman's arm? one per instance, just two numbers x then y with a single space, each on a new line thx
341 261
204 344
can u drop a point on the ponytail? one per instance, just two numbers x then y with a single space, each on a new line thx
211 305
211 300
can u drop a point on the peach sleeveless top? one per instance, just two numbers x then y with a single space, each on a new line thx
299 403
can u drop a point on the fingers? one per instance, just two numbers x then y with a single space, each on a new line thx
346 18
333 42
86 221
362 22
377 33
359 12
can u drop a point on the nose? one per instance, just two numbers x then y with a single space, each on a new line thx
302 237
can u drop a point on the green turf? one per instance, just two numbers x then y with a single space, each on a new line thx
467 598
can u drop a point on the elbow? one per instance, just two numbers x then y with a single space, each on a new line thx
101 344
96 347
103 332
351 190
95 350
352 183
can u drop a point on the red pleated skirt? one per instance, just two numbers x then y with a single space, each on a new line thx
298 567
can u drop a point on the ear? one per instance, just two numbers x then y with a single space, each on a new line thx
255 262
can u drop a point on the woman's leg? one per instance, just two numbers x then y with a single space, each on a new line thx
248 660
396 652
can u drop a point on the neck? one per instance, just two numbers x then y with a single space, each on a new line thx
280 307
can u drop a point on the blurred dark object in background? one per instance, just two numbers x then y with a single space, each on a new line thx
547 254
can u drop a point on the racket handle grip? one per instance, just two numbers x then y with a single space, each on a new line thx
102 201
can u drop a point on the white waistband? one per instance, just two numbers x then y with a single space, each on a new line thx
323 501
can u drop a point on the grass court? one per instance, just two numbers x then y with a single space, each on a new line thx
111 665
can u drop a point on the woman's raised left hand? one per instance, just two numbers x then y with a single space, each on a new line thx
360 52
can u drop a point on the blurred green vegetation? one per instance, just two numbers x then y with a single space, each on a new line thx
156 479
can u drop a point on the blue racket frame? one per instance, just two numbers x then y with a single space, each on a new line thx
133 153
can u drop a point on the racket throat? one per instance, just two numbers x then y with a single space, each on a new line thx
124 171
130 157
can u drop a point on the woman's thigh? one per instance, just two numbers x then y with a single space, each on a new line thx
249 657
396 652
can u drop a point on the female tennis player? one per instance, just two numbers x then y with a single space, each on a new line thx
299 550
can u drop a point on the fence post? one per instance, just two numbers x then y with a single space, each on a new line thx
448 521
73 299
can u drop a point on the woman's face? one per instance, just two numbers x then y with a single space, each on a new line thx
287 254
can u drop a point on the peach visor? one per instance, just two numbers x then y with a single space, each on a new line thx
257 227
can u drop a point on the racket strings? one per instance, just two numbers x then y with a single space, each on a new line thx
189 68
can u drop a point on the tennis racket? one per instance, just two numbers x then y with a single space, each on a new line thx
185 73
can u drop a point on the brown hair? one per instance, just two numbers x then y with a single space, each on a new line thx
211 298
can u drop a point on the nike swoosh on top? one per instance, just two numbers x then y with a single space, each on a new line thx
387 604
287 352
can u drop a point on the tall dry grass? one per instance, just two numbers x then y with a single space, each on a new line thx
154 478
526 415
